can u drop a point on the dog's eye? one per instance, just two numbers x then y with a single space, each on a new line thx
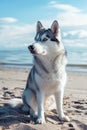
44 39
55 40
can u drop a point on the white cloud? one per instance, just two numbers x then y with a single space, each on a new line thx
71 33
83 34
16 35
16 30
65 7
69 15
74 43
72 19
8 20
52 2
76 34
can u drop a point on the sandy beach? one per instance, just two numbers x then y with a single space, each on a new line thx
12 84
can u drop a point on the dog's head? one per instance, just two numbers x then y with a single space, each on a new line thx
47 41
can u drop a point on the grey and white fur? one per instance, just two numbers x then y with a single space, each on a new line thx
47 76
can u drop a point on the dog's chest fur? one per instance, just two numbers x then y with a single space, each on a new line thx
52 75
51 82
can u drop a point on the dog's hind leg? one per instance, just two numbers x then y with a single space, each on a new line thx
29 99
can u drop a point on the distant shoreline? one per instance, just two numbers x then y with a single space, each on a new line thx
80 65
30 64
78 68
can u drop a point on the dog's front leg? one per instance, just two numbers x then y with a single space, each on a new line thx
40 103
59 102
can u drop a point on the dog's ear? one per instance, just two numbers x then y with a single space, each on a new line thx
39 26
55 28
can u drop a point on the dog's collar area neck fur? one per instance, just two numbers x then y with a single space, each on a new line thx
62 52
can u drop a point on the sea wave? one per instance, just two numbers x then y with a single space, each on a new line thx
80 68
21 66
14 66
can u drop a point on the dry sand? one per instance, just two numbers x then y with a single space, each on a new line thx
12 84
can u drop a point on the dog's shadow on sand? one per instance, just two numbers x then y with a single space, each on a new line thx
12 115
9 115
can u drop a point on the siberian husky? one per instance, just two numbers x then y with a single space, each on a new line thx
47 76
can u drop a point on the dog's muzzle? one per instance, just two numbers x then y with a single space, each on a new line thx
37 49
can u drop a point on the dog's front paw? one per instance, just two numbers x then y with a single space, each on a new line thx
64 118
40 121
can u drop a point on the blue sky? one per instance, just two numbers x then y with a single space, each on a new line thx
18 21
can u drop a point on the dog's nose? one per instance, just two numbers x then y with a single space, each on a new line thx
31 47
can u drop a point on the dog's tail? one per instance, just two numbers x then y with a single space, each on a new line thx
15 102
18 103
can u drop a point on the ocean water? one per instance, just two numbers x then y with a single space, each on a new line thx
22 59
